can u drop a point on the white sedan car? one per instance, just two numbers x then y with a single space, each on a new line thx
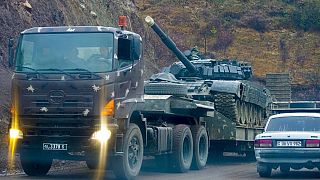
290 140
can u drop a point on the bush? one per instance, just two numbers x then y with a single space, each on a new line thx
307 16
223 40
258 23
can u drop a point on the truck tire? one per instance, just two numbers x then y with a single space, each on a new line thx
92 164
264 170
35 164
200 147
182 148
167 88
128 166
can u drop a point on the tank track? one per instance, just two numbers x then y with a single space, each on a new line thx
240 112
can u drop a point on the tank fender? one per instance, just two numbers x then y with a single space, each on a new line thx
231 87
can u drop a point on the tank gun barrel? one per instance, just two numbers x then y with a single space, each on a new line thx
171 45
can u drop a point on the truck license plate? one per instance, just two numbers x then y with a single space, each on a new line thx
289 143
55 147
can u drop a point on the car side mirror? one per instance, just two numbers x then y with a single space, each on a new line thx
10 52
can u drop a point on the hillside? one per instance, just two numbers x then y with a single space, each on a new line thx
266 33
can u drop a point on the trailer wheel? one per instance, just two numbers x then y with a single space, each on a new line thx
128 166
200 147
35 164
182 148
166 88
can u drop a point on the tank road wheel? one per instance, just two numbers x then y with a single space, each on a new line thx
35 164
243 113
128 166
258 122
251 114
182 148
238 111
200 147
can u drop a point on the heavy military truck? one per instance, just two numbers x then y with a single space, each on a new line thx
78 94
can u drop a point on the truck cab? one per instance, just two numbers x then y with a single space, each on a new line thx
73 89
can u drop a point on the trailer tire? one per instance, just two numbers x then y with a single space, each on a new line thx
200 147
35 164
128 166
167 88
182 148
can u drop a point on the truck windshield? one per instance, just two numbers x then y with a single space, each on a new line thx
65 51
294 123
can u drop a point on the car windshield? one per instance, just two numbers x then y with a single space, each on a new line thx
294 123
63 51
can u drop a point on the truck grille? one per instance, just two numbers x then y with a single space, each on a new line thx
69 105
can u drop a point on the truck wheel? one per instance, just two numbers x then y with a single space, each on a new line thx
200 147
264 170
128 166
92 163
165 88
182 148
35 164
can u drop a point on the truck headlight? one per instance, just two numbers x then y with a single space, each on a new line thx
15 134
102 135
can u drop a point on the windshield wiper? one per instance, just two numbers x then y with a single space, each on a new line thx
35 70
86 70
54 69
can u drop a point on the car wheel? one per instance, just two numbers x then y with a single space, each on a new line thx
35 163
285 169
128 166
200 147
264 170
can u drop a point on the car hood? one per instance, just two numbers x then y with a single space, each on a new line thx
289 135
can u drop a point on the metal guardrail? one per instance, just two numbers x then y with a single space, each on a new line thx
295 106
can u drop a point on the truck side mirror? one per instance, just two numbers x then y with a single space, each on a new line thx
136 48
124 47
10 52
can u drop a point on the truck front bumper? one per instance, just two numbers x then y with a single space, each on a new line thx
73 144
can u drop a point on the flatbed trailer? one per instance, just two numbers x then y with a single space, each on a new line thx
224 135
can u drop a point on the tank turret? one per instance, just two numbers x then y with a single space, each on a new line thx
171 45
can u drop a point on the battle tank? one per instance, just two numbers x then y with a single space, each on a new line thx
224 82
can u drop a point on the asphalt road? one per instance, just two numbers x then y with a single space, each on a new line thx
227 168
